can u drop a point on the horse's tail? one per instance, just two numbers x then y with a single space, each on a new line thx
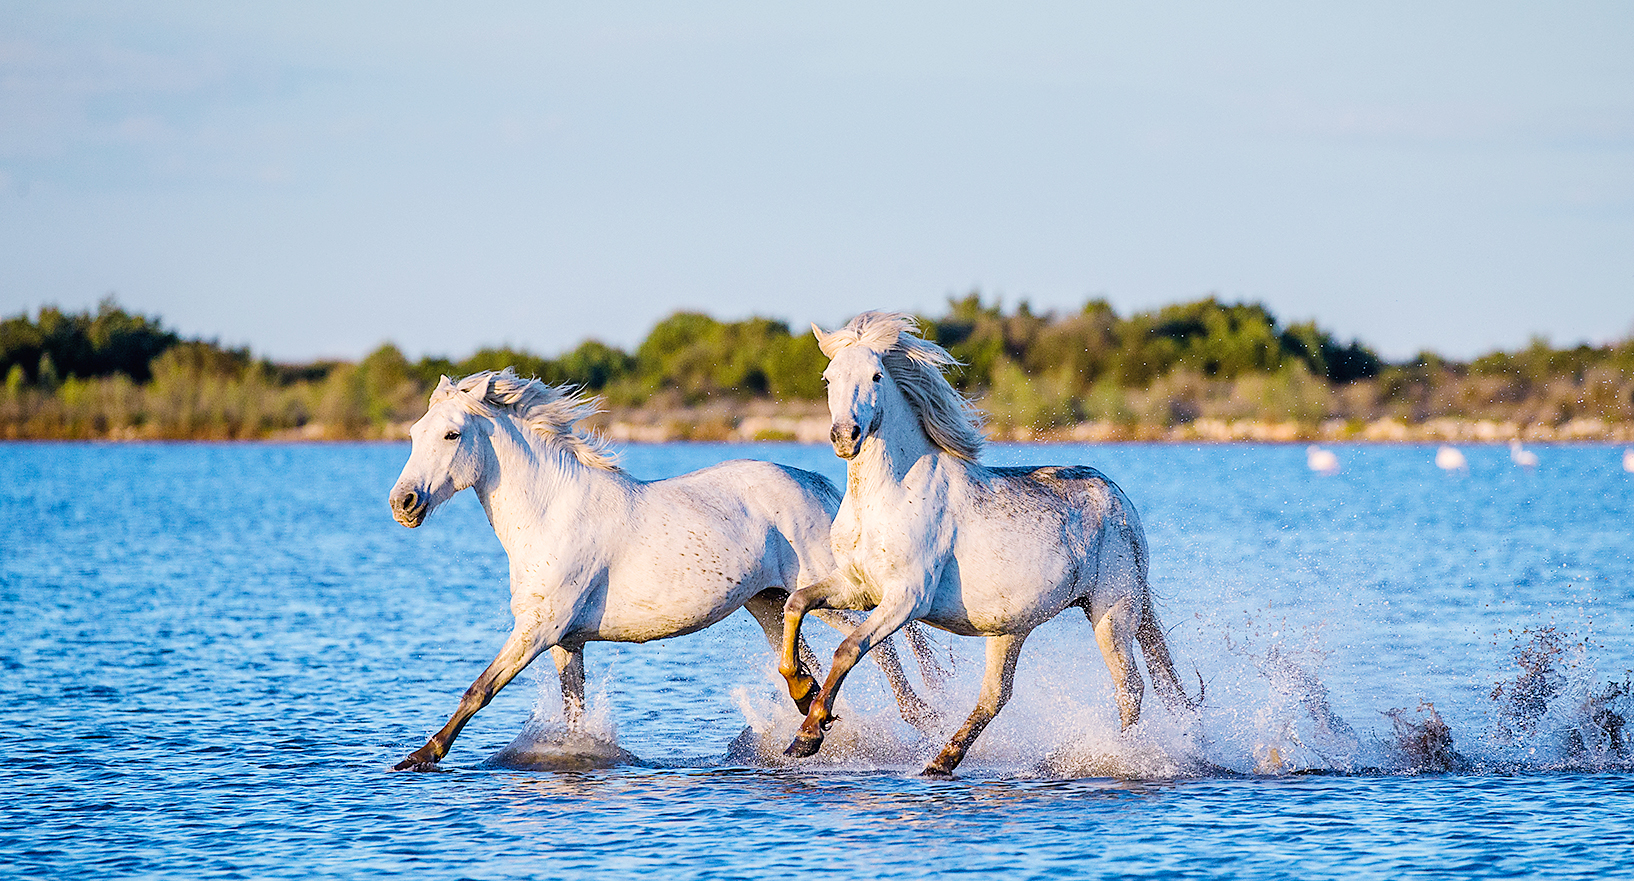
1149 632
1124 562
1155 646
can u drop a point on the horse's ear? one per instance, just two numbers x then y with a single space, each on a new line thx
822 338
476 385
445 386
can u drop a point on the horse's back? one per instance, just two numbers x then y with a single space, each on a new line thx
1077 487
1089 490
1071 519
767 487
786 510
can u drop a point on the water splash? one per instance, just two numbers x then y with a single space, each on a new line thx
1298 728
1424 744
1268 712
1552 712
551 741
867 733
1601 742
1543 678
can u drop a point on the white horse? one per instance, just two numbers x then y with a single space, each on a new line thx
596 554
927 533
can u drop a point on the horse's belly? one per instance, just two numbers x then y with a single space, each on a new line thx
646 628
993 618
644 623
974 600
655 604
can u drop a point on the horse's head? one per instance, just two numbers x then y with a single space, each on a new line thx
450 450
879 362
856 380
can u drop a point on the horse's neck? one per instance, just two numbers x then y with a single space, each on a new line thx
533 487
887 458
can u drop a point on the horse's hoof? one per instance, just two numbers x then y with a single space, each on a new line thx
803 704
942 766
804 746
414 763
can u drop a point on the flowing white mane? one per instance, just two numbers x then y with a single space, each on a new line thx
548 410
915 364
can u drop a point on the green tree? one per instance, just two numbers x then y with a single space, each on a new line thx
698 357
593 366
525 363
1325 357
679 354
391 390
110 341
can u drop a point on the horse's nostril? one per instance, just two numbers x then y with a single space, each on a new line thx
856 432
410 501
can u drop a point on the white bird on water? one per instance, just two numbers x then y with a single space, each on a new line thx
1321 461
1522 457
1448 458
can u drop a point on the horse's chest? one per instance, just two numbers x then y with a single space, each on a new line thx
880 544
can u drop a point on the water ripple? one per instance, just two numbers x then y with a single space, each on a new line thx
200 688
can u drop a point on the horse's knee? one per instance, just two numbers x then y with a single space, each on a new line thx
800 682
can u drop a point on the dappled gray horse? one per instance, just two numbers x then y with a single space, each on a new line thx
927 533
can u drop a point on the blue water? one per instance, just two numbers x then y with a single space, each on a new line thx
213 654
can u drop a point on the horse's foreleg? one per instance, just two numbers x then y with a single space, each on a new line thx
1002 652
1115 633
570 667
767 610
913 708
879 626
519 649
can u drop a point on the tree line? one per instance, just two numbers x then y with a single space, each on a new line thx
110 373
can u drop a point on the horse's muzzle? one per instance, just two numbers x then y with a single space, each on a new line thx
408 507
846 439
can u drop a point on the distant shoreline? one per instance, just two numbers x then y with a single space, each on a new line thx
672 427
814 429
1199 372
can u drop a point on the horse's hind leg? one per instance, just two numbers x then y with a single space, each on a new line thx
1115 629
1002 652
570 667
518 651
925 655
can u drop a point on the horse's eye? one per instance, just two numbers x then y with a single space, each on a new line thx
452 435
876 377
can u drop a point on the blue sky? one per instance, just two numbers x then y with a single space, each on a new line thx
312 179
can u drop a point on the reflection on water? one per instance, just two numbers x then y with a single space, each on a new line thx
212 654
